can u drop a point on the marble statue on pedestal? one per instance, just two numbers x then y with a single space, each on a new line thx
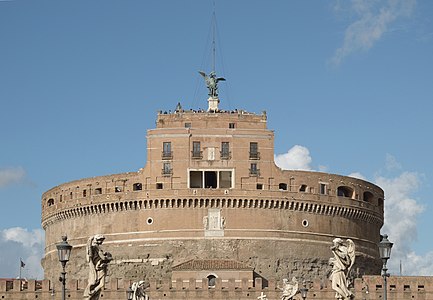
289 288
98 263
342 262
139 293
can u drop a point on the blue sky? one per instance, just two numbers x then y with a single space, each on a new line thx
347 86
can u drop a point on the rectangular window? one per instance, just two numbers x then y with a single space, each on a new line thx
225 178
231 125
166 169
84 193
259 186
159 186
196 152
323 189
98 191
254 150
195 179
166 150
225 150
137 186
254 171
187 125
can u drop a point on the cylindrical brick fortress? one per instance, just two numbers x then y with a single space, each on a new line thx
211 190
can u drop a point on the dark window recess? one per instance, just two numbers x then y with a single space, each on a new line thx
187 125
210 179
84 193
254 151
259 186
323 189
254 171
137 186
303 188
232 125
166 150
344 191
196 152
282 186
166 169
211 280
368 197
118 189
50 202
225 150
195 180
159 186
98 191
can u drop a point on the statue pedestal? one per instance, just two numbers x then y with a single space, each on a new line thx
213 104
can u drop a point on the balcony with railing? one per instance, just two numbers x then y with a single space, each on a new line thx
225 154
254 155
197 154
167 154
254 172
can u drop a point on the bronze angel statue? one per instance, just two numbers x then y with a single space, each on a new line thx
212 83
342 262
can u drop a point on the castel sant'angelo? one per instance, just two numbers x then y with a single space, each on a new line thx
210 216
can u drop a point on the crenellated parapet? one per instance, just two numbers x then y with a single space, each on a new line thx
367 287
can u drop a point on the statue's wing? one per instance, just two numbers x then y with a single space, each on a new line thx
350 253
294 290
89 249
221 79
202 74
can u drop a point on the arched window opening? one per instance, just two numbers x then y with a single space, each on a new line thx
380 202
303 188
50 202
368 197
211 281
345 191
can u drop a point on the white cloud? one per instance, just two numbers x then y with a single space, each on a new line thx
373 21
401 214
11 175
19 243
297 158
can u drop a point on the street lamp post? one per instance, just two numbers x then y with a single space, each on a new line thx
385 252
64 251
304 291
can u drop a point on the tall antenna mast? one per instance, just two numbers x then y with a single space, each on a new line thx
213 37
211 79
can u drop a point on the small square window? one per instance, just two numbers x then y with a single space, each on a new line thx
188 125
137 186
232 125
159 186
98 191
259 186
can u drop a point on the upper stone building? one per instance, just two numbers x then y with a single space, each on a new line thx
210 191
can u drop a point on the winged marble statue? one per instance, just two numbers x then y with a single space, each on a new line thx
342 262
